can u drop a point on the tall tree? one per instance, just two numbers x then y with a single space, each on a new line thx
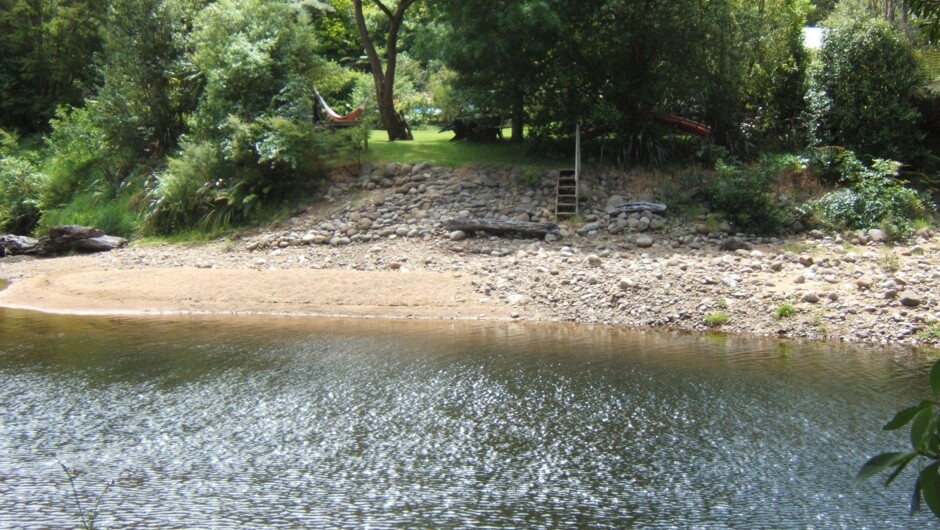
384 79
46 57
502 50
928 13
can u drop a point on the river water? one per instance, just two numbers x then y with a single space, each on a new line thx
318 423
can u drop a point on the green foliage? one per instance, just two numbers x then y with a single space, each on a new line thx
115 216
745 195
928 17
337 38
554 64
784 311
861 87
82 156
251 139
180 195
716 320
924 420
214 186
890 262
47 49
21 183
874 196
149 83
255 58
932 333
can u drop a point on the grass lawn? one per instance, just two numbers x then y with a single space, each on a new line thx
437 149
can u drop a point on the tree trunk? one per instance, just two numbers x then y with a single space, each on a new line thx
518 116
393 122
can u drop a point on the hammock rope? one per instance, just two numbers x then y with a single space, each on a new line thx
341 119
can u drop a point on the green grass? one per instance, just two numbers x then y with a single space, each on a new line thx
715 320
115 217
931 333
785 311
437 149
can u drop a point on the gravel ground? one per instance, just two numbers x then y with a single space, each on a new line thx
640 270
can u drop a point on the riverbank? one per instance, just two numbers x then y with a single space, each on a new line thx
376 246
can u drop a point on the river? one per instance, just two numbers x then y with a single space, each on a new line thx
285 422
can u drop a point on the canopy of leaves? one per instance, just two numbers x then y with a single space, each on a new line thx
861 90
46 57
609 62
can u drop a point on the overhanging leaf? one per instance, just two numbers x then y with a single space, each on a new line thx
919 429
930 487
900 464
915 498
877 464
904 417
935 378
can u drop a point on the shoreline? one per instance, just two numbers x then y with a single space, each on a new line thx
377 249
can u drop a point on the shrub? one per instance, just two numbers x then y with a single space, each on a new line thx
745 196
861 87
874 197
82 156
251 141
924 421
178 196
20 186
258 163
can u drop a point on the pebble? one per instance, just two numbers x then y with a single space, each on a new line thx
909 299
628 270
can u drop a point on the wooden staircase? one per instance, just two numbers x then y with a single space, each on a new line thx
566 194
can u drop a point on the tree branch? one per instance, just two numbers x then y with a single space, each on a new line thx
386 10
367 43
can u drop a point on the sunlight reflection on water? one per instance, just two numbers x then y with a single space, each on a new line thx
285 423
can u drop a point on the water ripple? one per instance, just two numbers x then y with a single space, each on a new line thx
348 425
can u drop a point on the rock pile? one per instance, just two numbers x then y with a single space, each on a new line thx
637 268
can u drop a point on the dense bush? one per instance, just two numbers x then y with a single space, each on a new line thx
213 186
180 195
861 88
745 195
21 183
873 197
47 58
251 140
81 156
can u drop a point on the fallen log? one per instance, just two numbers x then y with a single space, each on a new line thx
639 206
61 240
15 245
501 227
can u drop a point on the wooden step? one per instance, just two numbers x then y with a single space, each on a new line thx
566 193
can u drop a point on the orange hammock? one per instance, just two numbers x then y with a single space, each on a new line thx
685 124
339 119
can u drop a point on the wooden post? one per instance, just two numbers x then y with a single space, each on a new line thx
577 169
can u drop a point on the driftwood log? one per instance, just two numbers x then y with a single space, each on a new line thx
13 245
62 240
502 227
639 206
